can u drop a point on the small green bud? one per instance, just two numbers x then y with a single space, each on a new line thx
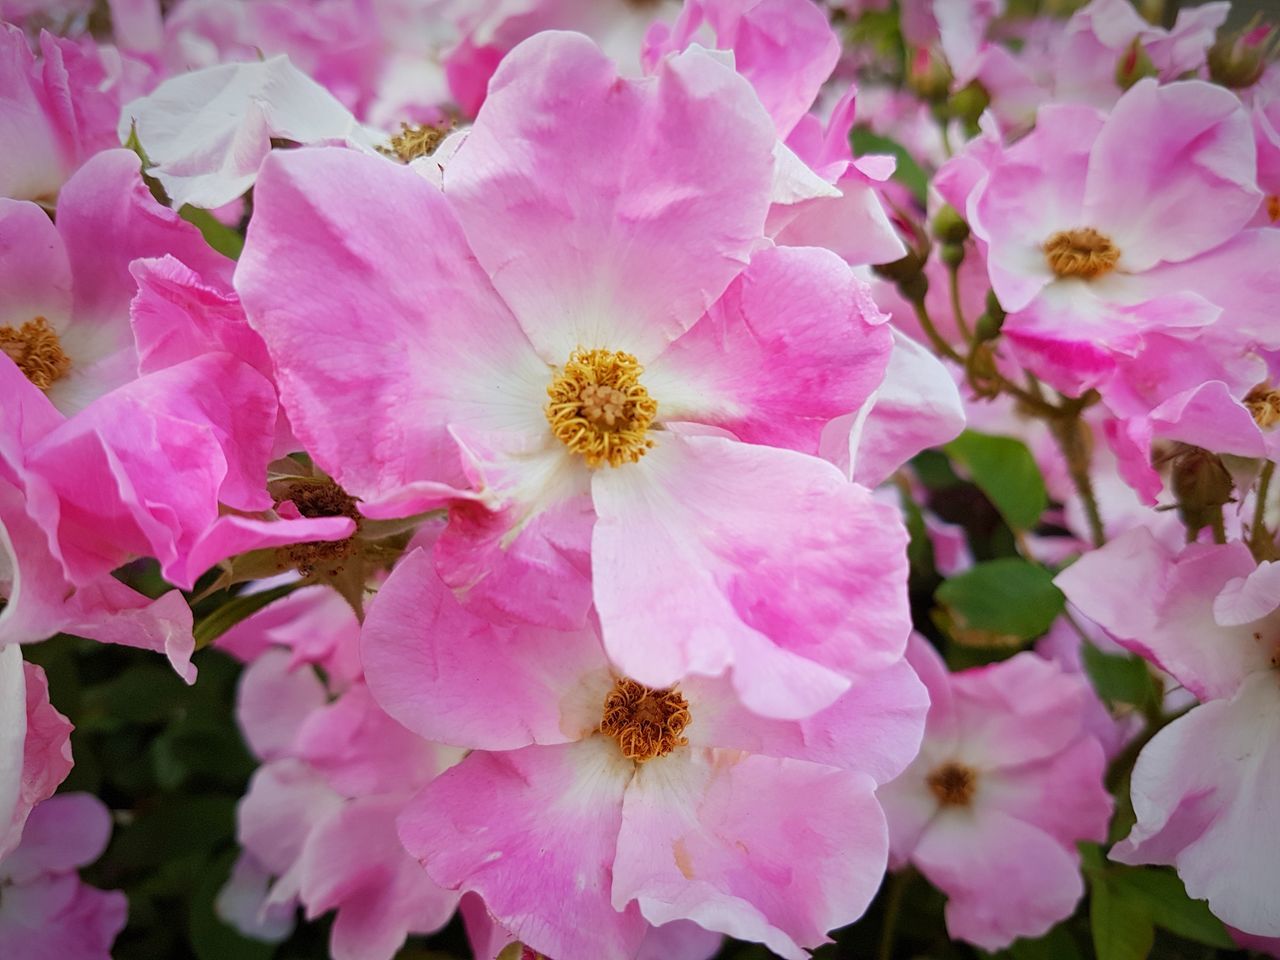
1134 65
1202 486
994 308
967 103
1238 60
987 327
929 76
952 255
902 268
948 226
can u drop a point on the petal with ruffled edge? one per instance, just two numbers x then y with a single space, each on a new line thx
695 572
616 230
1203 790
453 676
382 327
1171 174
534 832
794 342
776 851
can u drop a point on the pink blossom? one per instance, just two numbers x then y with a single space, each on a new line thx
56 111
1099 227
544 258
1006 782
1209 616
572 845
320 813
46 911
35 746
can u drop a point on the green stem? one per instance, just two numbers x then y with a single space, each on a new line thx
1070 432
953 282
897 888
931 331
1219 527
1259 536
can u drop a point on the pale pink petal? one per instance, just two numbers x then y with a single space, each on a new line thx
695 846
59 918
63 833
273 701
423 341
208 131
1202 791
242 903
13 737
274 818
533 832
687 524
1171 173
453 676
1063 795
1251 598
620 229
1003 878
874 728
35 276
795 342
679 940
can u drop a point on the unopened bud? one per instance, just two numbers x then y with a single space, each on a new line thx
901 269
1238 59
967 103
1202 486
929 76
952 255
987 327
1134 65
948 226
994 308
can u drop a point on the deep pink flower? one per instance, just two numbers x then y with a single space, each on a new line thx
46 911
1006 782
1203 787
418 335
591 804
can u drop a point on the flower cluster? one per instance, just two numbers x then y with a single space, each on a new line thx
637 475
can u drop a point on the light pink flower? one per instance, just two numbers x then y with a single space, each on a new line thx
1099 228
35 746
1203 787
417 371
1006 782
46 911
56 111
572 845
320 814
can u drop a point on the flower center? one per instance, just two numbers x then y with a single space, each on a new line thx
953 784
1264 404
599 408
647 723
320 499
1083 252
35 348
415 140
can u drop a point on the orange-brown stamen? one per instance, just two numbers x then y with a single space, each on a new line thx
953 784
37 351
1083 252
647 723
599 409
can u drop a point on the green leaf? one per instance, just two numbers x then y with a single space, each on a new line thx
1122 926
1057 944
1119 678
238 608
1005 471
999 603
908 172
1165 899
217 234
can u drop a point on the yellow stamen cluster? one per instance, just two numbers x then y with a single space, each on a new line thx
415 140
599 408
1264 403
35 348
953 784
1083 253
647 723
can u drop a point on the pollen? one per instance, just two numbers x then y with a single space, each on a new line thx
599 408
1083 252
1264 403
647 723
321 499
953 784
35 348
415 140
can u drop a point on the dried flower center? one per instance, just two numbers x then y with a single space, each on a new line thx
647 723
599 408
35 348
321 499
1273 208
1083 252
416 140
1264 403
953 784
